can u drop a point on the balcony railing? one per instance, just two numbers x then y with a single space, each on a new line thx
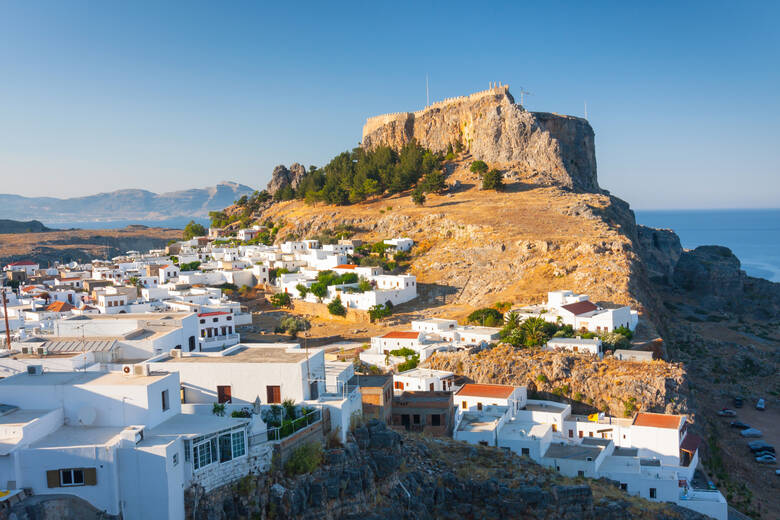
220 338
286 429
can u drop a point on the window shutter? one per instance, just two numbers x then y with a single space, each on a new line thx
53 478
90 476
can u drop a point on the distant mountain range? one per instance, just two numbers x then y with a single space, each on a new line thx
123 205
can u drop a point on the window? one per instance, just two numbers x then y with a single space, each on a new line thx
580 473
71 477
431 387
555 427
165 403
525 451
465 405
215 320
416 419
652 493
624 486
399 385
204 452
239 444
203 321
435 420
229 318
273 394
224 394
580 433
590 434
571 434
175 459
479 406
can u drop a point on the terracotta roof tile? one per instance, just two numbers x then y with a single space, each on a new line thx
658 420
401 335
345 266
691 443
60 307
495 391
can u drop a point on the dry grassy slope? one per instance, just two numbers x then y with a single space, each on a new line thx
480 247
604 385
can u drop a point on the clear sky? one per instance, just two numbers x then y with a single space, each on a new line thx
96 96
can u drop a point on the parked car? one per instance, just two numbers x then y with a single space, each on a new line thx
739 424
766 459
751 432
761 453
760 446
727 413
738 402
761 405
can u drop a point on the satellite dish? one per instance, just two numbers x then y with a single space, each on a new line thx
87 415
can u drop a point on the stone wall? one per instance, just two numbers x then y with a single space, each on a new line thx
320 310
312 433
258 460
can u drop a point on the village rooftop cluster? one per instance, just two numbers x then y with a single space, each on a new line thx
135 366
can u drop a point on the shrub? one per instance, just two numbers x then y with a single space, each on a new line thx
280 300
302 290
304 459
479 167
193 229
377 312
294 324
190 266
625 331
418 197
240 414
542 378
337 308
319 289
218 409
612 341
629 407
493 180
578 396
486 317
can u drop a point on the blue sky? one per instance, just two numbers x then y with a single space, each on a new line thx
97 96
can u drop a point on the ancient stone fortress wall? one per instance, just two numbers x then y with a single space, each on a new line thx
375 122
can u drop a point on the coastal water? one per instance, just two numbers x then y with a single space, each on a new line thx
753 235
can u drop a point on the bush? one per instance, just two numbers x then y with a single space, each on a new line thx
190 266
304 459
294 324
629 407
613 341
337 308
302 290
487 317
542 378
418 197
280 300
377 312
479 167
493 180
625 331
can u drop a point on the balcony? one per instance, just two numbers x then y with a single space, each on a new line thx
226 337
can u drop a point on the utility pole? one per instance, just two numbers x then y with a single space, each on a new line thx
5 315
523 92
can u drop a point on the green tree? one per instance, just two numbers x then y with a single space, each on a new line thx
535 331
193 229
479 167
377 312
433 182
294 324
486 317
418 197
319 289
280 300
493 180
302 290
337 308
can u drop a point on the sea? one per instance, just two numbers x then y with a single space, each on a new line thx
753 235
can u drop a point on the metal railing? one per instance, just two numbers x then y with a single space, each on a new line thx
220 338
288 428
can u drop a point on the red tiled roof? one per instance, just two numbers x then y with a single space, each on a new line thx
216 313
60 307
345 266
691 443
22 262
658 420
401 335
495 391
580 307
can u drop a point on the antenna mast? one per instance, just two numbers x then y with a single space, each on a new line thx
523 92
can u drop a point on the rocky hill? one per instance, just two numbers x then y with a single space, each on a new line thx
559 149
16 226
121 205
381 474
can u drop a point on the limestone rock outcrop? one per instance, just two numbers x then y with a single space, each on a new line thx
660 250
559 149
283 177
711 271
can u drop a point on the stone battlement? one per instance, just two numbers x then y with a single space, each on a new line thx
372 123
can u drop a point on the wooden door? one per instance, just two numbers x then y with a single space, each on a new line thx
273 394
223 394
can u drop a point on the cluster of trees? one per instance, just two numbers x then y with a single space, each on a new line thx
380 311
354 176
246 207
492 179
193 229
189 266
411 358
324 279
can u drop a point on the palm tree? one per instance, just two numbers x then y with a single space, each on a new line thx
512 319
533 330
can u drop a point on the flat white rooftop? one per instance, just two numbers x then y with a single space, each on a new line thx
75 436
425 372
80 378
520 429
242 353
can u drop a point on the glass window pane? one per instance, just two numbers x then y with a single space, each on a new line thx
78 476
67 476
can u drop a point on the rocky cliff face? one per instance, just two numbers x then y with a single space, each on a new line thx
590 384
558 149
381 474
283 177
